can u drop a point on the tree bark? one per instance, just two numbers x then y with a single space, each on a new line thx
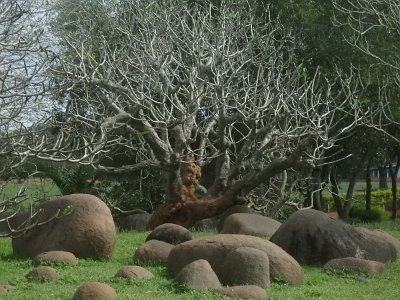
184 208
314 192
336 192
369 188
349 195
393 171
383 183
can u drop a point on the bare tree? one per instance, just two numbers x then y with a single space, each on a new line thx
192 88
23 90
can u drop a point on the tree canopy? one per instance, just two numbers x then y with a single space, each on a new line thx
226 101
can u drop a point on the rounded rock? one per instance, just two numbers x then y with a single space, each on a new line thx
198 275
153 252
5 288
95 291
214 249
246 266
55 257
84 226
170 233
312 237
134 272
43 274
244 292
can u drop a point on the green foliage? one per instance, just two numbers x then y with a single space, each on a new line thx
358 212
381 198
131 194
34 192
69 209
285 212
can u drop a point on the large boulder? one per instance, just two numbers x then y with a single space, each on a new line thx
215 249
250 224
386 236
84 226
136 222
312 237
170 233
234 210
198 275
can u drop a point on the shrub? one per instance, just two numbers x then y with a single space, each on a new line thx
356 210
285 212
380 198
376 214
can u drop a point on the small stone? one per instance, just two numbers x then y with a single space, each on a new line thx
134 272
43 274
170 233
244 291
355 264
95 291
5 288
55 257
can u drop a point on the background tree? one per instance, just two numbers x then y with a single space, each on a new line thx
375 27
23 89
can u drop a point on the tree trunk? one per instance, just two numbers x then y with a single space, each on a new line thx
336 192
184 207
393 171
383 184
368 189
314 194
349 196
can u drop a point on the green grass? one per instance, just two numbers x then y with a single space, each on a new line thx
34 192
319 284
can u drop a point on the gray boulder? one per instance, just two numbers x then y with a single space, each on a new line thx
136 222
207 225
312 237
250 224
383 235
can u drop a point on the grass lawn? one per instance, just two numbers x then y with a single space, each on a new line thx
319 284
35 192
